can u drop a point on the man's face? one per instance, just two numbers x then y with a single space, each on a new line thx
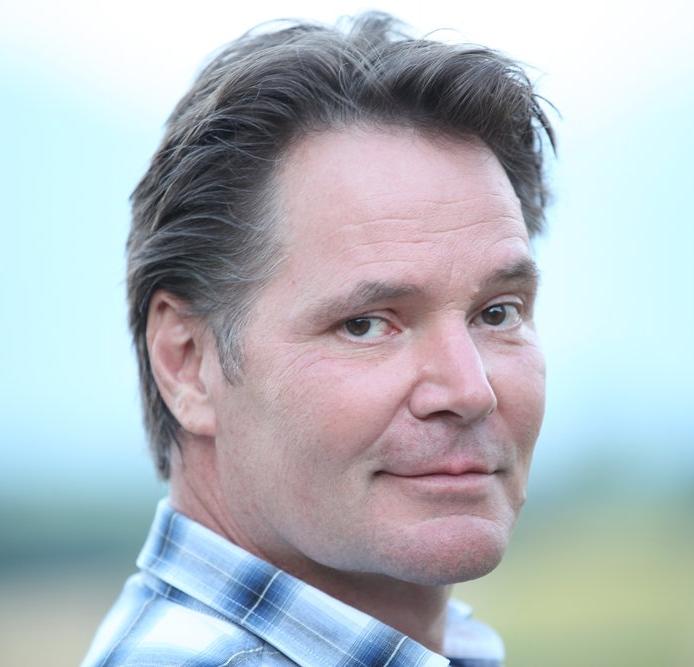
393 387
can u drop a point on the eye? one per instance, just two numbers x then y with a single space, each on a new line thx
502 315
367 328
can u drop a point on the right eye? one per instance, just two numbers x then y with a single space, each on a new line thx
367 328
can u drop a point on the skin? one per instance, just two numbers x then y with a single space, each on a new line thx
378 442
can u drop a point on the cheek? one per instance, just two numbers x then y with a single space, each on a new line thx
519 383
518 378
338 407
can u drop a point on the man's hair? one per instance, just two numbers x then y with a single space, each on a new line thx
204 214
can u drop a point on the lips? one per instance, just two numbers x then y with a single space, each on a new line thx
446 470
469 484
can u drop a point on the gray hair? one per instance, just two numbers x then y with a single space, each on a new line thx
204 220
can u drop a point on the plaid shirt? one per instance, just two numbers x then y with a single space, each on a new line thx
201 600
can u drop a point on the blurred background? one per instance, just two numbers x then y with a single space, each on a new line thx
600 572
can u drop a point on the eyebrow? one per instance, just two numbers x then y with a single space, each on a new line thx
524 272
364 295
367 293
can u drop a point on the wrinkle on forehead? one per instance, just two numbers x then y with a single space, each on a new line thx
430 235
444 227
383 245
424 218
469 200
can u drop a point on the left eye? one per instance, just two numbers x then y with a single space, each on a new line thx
501 315
366 327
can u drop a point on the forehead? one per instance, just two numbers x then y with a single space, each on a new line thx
373 200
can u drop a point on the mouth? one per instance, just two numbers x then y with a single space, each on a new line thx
468 484
470 480
454 469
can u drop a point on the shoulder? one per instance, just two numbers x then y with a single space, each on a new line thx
468 641
148 627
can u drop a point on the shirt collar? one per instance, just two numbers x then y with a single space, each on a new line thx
297 619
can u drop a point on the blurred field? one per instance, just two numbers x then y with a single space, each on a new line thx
604 585
601 580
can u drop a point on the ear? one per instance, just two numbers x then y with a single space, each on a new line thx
177 344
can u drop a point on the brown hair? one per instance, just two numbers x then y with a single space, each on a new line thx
203 214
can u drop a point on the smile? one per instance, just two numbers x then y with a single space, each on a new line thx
466 483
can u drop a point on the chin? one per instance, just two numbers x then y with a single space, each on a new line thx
438 555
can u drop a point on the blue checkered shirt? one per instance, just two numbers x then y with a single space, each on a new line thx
201 600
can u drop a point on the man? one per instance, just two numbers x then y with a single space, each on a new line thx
331 294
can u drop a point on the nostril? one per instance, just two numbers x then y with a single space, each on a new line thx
443 414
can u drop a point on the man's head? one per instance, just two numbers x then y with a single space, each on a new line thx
329 278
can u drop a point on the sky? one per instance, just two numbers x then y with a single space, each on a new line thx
86 89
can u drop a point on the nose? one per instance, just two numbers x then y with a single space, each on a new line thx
452 378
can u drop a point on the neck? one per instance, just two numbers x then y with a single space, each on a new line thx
415 610
418 611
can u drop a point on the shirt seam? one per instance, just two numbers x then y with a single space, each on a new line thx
130 627
240 653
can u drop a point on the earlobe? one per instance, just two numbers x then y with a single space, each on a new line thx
177 344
